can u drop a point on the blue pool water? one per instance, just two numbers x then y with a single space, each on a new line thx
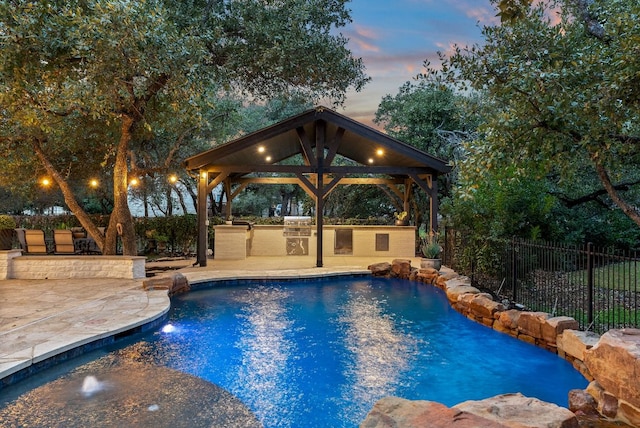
321 353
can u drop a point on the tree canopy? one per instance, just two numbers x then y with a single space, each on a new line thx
84 85
563 80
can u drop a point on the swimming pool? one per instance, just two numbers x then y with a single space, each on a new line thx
320 353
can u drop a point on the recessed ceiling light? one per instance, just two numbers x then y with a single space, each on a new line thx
268 158
380 152
261 149
370 160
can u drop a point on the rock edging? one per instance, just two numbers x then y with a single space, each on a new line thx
611 362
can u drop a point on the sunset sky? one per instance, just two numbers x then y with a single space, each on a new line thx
394 37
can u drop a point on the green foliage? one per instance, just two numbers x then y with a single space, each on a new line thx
502 208
425 116
512 10
359 201
7 222
563 94
432 118
556 153
180 232
50 222
429 245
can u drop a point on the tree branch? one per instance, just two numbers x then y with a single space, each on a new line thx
593 196
593 26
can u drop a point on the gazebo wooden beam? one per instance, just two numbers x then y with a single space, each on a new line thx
295 180
306 149
334 145
331 169
309 187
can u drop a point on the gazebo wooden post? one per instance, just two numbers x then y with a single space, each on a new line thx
320 141
202 218
433 204
429 184
227 191
407 194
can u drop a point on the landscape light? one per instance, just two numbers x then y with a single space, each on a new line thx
93 183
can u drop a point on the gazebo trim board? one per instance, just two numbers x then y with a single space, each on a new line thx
318 136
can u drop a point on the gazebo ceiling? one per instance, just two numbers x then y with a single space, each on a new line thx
262 150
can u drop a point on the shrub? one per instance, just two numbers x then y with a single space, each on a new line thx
7 222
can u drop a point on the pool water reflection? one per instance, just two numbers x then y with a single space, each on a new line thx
321 353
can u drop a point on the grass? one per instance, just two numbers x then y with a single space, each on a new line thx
615 276
617 316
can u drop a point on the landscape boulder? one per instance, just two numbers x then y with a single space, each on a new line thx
614 363
575 343
380 269
174 284
394 412
519 411
401 268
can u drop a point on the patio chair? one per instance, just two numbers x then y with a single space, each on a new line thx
78 232
35 243
63 240
21 238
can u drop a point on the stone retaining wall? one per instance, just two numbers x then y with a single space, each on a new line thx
610 362
64 267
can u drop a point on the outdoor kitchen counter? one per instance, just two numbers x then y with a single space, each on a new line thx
236 242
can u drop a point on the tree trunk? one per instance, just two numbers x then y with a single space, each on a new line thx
69 197
183 204
169 201
629 210
121 221
194 196
285 209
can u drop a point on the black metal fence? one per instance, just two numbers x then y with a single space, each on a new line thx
597 287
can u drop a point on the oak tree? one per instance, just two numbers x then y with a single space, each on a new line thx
84 82
563 78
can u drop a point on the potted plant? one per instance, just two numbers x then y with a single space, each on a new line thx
7 228
401 218
430 249
229 220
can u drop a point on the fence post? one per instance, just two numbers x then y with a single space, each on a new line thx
589 283
514 274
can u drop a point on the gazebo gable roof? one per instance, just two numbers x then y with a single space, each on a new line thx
298 135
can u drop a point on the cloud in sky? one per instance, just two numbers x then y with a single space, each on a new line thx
395 38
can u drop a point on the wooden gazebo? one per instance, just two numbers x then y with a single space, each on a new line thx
315 138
